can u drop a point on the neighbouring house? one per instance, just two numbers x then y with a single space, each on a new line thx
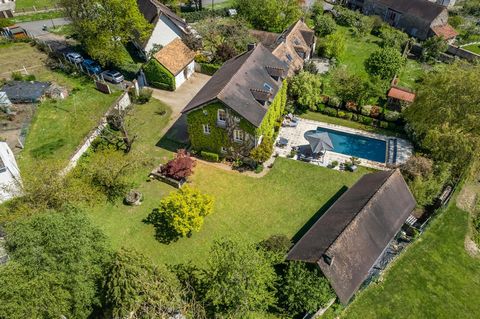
348 240
177 62
418 18
167 26
25 91
7 8
399 98
239 105
10 181
294 46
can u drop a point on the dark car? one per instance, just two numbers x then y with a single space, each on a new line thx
114 77
91 66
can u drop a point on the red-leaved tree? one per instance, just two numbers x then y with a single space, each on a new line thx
180 167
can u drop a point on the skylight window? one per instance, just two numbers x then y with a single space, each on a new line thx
289 57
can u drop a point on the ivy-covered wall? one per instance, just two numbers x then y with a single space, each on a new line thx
223 136
274 112
158 76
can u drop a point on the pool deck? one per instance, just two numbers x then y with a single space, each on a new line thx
295 138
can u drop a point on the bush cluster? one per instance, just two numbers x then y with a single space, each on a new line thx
209 68
209 156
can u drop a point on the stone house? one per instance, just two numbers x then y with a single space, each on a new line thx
418 18
239 105
294 46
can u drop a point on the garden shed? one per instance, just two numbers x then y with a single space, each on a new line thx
399 97
178 60
25 91
355 231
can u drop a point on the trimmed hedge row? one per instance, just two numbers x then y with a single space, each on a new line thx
208 68
330 111
374 112
211 157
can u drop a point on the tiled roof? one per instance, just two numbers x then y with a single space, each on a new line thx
352 234
422 9
232 85
401 94
175 56
445 31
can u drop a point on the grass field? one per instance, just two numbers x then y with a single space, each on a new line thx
39 4
245 207
434 278
358 49
58 127
475 48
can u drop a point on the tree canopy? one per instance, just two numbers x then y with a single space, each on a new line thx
307 87
444 119
385 63
269 15
57 261
239 278
105 26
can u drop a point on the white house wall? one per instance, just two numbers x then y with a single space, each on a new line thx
180 77
164 32
10 181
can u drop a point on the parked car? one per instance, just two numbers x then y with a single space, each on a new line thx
91 66
114 77
74 57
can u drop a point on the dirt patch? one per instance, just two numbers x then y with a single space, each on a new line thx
467 198
471 248
12 128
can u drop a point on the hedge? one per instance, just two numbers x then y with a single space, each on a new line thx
209 68
361 118
204 14
211 157
158 76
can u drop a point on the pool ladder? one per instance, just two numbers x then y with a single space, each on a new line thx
391 151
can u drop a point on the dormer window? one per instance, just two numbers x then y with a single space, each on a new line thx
328 259
289 57
296 41
267 87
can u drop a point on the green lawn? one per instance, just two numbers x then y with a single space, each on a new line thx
40 4
475 48
434 278
316 116
358 49
245 207
59 127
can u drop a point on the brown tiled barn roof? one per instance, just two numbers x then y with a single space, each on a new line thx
422 9
349 238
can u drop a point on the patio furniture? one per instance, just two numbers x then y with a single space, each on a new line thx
282 142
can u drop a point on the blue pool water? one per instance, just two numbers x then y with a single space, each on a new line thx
356 145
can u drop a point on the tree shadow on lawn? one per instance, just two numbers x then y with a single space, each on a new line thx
164 232
318 214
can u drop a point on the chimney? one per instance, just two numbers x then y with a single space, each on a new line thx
251 46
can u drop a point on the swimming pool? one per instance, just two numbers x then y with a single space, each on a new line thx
357 145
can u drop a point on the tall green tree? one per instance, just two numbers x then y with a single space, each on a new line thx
333 45
324 25
240 279
135 287
105 26
57 262
444 119
303 289
307 88
433 47
269 15
385 63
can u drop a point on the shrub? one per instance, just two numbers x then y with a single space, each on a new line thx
332 46
6 23
144 96
391 116
17 76
394 127
330 111
346 17
259 169
392 37
30 77
204 14
342 114
262 152
158 76
375 111
320 107
366 110
349 115
209 68
208 156
383 124
306 87
181 167
334 102
385 63
324 25
367 120
333 164
180 213
275 247
352 106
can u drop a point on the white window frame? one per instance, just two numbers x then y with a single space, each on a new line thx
238 136
206 129
224 150
222 111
